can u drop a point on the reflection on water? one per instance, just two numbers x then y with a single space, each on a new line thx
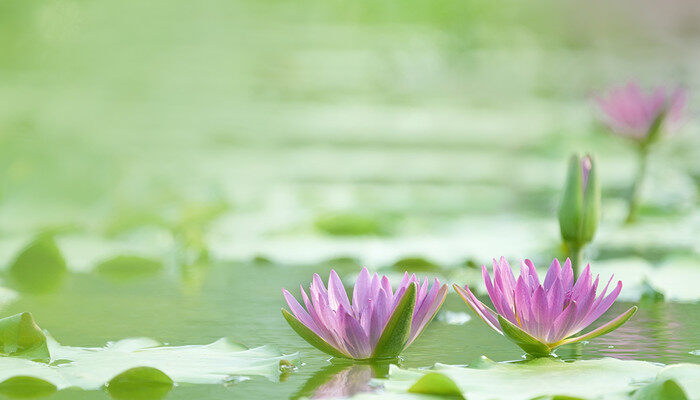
656 333
243 301
342 380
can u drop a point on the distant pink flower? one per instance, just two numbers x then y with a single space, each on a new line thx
630 112
379 323
539 317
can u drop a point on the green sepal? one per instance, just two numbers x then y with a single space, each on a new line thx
398 329
311 337
655 129
571 207
523 339
602 330
437 384
21 337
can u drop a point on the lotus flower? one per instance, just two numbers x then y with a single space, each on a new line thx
539 317
631 113
379 323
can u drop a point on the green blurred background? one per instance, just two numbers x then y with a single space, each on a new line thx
223 141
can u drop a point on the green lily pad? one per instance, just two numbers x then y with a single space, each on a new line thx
140 383
415 264
26 387
39 267
686 375
128 267
21 337
436 383
344 224
662 390
525 380
130 365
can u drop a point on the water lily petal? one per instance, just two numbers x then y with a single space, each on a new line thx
487 315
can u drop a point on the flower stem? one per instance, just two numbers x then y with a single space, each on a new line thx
576 257
635 193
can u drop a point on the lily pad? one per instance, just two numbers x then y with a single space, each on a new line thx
343 224
123 364
128 267
21 337
525 380
39 267
686 375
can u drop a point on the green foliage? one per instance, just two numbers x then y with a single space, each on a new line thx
21 337
541 378
415 264
436 383
344 224
311 337
140 383
127 267
523 339
660 390
39 267
398 329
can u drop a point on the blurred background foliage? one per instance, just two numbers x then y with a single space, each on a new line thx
233 127
219 141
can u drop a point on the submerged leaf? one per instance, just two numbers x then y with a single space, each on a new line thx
21 337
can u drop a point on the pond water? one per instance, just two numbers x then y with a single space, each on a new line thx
243 301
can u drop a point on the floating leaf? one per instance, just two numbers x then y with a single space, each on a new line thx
40 267
685 375
415 264
350 225
130 365
140 383
22 387
21 337
525 380
661 390
436 383
127 267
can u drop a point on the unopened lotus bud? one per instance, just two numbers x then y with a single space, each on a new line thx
579 211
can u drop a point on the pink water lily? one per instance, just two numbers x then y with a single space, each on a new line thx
632 113
539 317
379 323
